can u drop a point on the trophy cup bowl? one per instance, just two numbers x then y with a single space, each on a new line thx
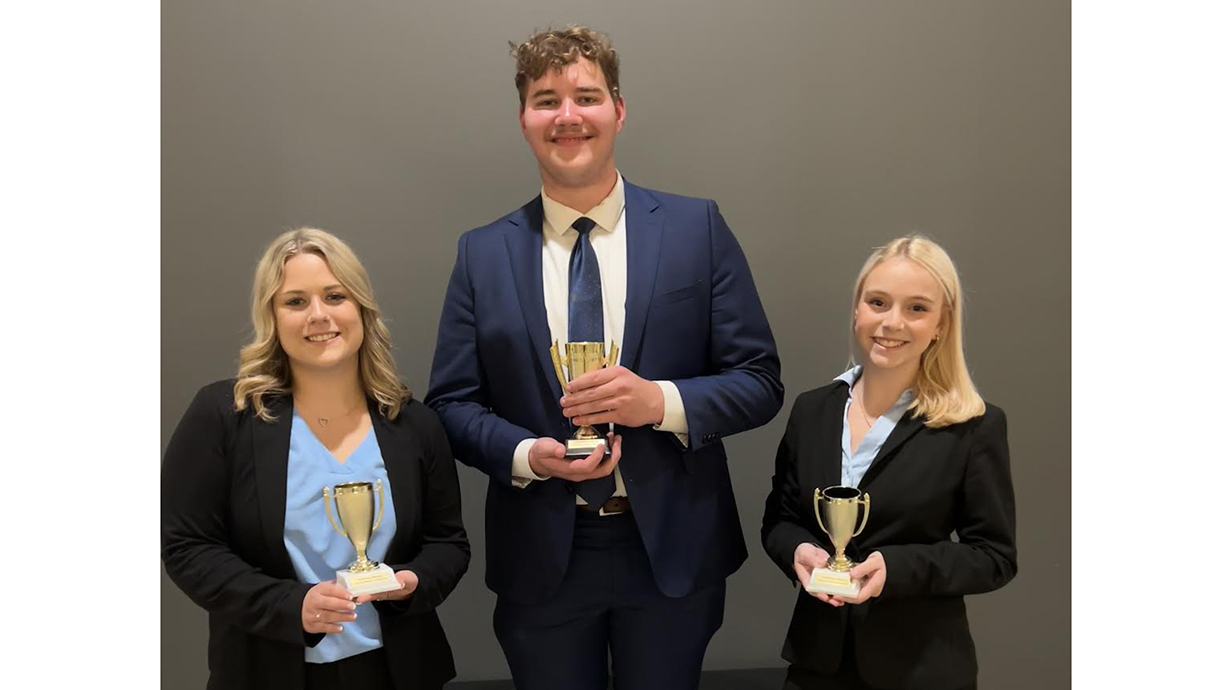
838 507
576 360
355 503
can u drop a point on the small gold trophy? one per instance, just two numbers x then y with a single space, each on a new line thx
582 358
839 507
355 508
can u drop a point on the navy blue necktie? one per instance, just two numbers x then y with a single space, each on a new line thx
586 325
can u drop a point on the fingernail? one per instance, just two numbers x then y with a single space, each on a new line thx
352 606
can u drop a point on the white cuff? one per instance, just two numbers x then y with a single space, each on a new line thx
674 420
523 475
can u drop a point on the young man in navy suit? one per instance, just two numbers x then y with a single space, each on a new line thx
625 551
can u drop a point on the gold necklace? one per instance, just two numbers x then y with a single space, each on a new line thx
860 401
324 421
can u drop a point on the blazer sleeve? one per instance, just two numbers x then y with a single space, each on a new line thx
445 552
195 549
985 557
457 389
782 525
746 392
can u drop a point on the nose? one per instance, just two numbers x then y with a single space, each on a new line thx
894 320
316 310
568 113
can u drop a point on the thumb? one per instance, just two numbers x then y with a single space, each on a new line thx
863 569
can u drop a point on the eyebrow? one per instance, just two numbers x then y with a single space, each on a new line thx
580 89
921 298
327 288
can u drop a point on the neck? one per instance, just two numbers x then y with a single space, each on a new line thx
584 197
330 391
881 388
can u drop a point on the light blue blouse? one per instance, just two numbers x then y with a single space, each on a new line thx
316 550
857 463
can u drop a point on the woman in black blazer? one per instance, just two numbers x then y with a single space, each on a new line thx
244 533
908 428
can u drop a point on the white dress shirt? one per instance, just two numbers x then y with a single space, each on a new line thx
609 240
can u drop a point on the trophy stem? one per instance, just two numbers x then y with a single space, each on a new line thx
362 564
840 563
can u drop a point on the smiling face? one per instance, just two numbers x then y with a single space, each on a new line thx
900 311
319 323
571 121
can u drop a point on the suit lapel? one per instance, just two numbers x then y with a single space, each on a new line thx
525 244
399 452
829 439
271 445
643 237
907 427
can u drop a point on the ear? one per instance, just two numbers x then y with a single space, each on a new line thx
620 114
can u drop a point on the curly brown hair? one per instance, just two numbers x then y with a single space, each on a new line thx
557 48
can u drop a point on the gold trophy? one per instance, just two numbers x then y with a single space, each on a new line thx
839 506
355 508
582 358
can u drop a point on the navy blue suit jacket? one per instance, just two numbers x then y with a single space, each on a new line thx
692 316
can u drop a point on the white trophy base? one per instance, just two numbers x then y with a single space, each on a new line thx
828 581
371 582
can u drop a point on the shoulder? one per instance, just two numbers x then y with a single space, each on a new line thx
417 425
417 418
682 211
218 396
415 413
669 200
526 217
816 398
212 410
992 423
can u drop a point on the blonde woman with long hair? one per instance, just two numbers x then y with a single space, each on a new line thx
907 427
317 402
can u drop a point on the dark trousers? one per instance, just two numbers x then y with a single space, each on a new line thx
367 671
845 678
609 601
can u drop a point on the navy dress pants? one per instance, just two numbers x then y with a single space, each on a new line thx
609 603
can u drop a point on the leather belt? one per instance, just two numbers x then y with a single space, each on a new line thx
612 506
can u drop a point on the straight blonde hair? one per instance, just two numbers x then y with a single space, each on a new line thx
944 391
264 367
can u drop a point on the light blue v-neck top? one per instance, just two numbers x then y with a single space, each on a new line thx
316 550
856 463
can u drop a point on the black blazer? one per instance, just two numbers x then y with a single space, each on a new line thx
923 485
223 506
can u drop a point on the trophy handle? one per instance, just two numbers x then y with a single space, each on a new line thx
329 513
380 497
612 356
867 504
554 350
821 523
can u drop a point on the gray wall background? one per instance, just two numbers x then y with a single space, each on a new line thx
822 129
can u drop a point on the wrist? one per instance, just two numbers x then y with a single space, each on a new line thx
657 405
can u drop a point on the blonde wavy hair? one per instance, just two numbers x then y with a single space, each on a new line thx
264 367
944 391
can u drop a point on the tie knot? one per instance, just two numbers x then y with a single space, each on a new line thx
583 225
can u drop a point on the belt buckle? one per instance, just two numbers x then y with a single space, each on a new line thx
603 512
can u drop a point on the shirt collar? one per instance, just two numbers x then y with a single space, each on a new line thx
561 218
853 374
